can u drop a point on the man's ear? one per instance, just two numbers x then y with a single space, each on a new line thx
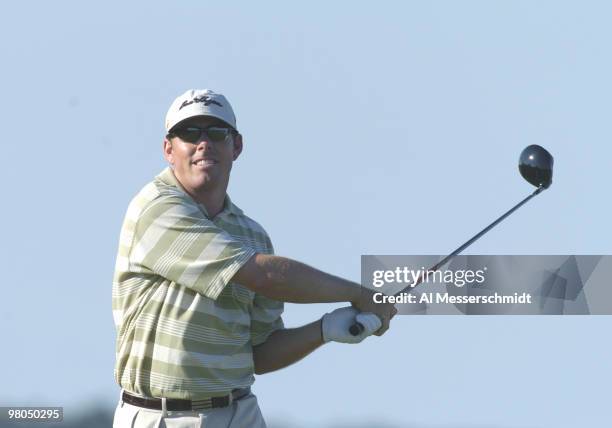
237 145
168 151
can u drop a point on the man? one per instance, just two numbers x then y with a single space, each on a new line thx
197 293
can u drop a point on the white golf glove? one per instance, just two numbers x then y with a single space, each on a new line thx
336 324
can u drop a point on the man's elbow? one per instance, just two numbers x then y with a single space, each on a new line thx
259 366
260 370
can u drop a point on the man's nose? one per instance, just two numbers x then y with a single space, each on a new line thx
204 143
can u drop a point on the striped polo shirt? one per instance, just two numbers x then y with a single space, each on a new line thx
184 330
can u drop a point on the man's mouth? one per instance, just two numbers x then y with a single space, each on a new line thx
205 162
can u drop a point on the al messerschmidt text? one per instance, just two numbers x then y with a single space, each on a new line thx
445 298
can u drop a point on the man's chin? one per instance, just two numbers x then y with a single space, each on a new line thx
201 181
204 182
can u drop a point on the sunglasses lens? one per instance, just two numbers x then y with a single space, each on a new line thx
217 135
214 134
190 135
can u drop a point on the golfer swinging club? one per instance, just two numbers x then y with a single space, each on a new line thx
198 294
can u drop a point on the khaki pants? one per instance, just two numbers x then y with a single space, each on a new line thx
242 413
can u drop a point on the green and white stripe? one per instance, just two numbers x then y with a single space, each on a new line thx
184 330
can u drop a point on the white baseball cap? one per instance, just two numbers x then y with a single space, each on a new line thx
200 102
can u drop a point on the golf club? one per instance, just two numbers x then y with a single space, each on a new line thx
535 165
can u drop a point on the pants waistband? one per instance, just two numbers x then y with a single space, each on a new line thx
176 404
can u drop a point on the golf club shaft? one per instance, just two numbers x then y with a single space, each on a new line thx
357 328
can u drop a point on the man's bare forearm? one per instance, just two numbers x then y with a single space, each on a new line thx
288 280
287 346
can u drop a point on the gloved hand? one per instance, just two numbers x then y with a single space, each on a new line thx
336 324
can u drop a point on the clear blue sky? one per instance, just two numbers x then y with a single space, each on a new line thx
387 129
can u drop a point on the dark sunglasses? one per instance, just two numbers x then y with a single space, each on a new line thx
193 134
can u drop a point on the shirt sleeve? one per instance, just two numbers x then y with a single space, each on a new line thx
175 240
265 313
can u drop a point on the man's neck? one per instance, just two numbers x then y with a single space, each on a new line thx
213 200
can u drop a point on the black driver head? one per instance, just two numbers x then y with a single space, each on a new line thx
536 166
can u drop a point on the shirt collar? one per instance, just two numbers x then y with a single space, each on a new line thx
229 206
168 178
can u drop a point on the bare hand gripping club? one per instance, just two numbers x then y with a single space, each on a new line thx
535 165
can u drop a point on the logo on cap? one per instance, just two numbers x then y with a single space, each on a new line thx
207 100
